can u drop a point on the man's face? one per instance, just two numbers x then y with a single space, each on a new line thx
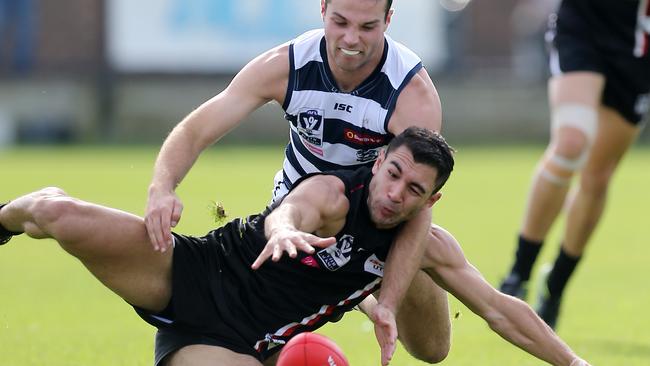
354 32
399 188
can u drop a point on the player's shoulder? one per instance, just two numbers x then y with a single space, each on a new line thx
323 183
275 57
418 104
444 248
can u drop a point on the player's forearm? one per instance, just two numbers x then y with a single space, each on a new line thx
400 268
285 217
404 260
176 157
519 324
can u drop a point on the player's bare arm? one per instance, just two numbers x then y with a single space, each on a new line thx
401 265
264 79
417 105
508 316
305 220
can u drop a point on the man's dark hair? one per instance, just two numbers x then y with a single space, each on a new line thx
428 147
389 3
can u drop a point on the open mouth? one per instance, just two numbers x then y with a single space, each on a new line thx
387 212
350 52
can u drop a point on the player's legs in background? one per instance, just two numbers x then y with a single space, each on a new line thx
574 100
204 355
112 244
585 206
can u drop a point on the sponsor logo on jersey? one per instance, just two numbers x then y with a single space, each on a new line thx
343 107
374 265
338 255
362 138
310 261
310 129
367 155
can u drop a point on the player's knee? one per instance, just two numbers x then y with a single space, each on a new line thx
435 353
574 129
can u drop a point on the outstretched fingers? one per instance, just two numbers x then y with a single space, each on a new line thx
291 244
385 332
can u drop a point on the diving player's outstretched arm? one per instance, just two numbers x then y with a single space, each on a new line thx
508 316
402 263
305 220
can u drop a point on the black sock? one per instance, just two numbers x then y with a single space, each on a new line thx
527 251
564 266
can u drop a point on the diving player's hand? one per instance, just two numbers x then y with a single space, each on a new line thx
579 362
290 241
385 331
163 212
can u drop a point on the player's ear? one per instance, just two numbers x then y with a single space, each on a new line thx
380 159
389 16
323 7
434 198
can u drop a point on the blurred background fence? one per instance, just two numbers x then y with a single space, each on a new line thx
123 71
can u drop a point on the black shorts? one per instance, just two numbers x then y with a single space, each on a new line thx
581 40
170 340
193 315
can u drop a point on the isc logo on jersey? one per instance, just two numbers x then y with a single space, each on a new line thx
310 129
336 256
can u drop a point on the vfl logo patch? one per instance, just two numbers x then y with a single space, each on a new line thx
310 129
374 265
338 255
367 155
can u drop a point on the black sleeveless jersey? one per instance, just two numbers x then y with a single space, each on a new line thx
281 299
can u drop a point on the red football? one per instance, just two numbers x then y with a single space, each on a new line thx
311 349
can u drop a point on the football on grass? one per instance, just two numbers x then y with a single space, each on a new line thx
311 349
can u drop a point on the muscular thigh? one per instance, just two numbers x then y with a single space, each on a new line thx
115 248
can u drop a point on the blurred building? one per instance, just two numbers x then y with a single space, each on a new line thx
128 71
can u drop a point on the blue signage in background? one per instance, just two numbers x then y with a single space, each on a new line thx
223 35
242 20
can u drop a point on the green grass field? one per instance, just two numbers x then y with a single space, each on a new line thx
53 312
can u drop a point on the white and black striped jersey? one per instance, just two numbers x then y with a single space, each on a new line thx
331 129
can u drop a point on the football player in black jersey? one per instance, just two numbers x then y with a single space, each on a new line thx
599 97
235 307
